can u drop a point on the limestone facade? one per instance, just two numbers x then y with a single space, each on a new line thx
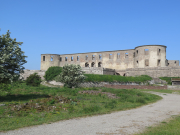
125 62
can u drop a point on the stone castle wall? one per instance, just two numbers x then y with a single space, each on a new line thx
140 57
155 72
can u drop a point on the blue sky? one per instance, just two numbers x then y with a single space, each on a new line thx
78 26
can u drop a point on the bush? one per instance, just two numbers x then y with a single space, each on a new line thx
71 76
168 79
116 78
5 87
52 72
33 80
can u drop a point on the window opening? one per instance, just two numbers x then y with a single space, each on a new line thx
146 51
110 56
134 54
159 51
71 58
126 55
66 58
51 58
100 57
43 58
86 64
93 57
137 52
99 64
146 63
158 62
137 63
86 57
118 55
60 58
92 64
77 58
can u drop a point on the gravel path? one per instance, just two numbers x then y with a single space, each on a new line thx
121 123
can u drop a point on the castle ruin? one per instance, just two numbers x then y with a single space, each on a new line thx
143 60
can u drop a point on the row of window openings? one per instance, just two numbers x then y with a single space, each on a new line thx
93 64
110 55
93 57
147 63
86 57
146 52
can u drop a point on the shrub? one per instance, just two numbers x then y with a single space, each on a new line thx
71 76
5 87
116 78
168 79
52 72
33 80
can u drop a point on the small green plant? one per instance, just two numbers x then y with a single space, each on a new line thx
52 72
33 80
5 87
71 76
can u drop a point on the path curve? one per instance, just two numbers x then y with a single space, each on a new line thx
121 123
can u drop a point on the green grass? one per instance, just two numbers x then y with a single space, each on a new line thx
168 79
170 127
77 105
116 78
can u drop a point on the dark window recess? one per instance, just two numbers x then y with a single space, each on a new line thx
93 57
99 64
158 62
66 58
118 55
134 54
60 59
77 58
92 64
137 63
43 58
146 63
159 52
86 64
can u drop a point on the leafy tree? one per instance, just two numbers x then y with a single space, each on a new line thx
11 59
52 72
71 76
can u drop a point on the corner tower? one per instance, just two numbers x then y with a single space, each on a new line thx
150 56
49 60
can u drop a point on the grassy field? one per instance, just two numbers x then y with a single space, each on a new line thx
169 127
27 106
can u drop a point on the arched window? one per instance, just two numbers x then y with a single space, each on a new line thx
92 64
99 64
86 64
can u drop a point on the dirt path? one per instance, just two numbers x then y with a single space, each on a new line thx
121 123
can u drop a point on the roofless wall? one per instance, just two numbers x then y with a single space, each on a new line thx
140 57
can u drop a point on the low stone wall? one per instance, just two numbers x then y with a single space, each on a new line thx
92 70
136 87
27 73
155 72
102 84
